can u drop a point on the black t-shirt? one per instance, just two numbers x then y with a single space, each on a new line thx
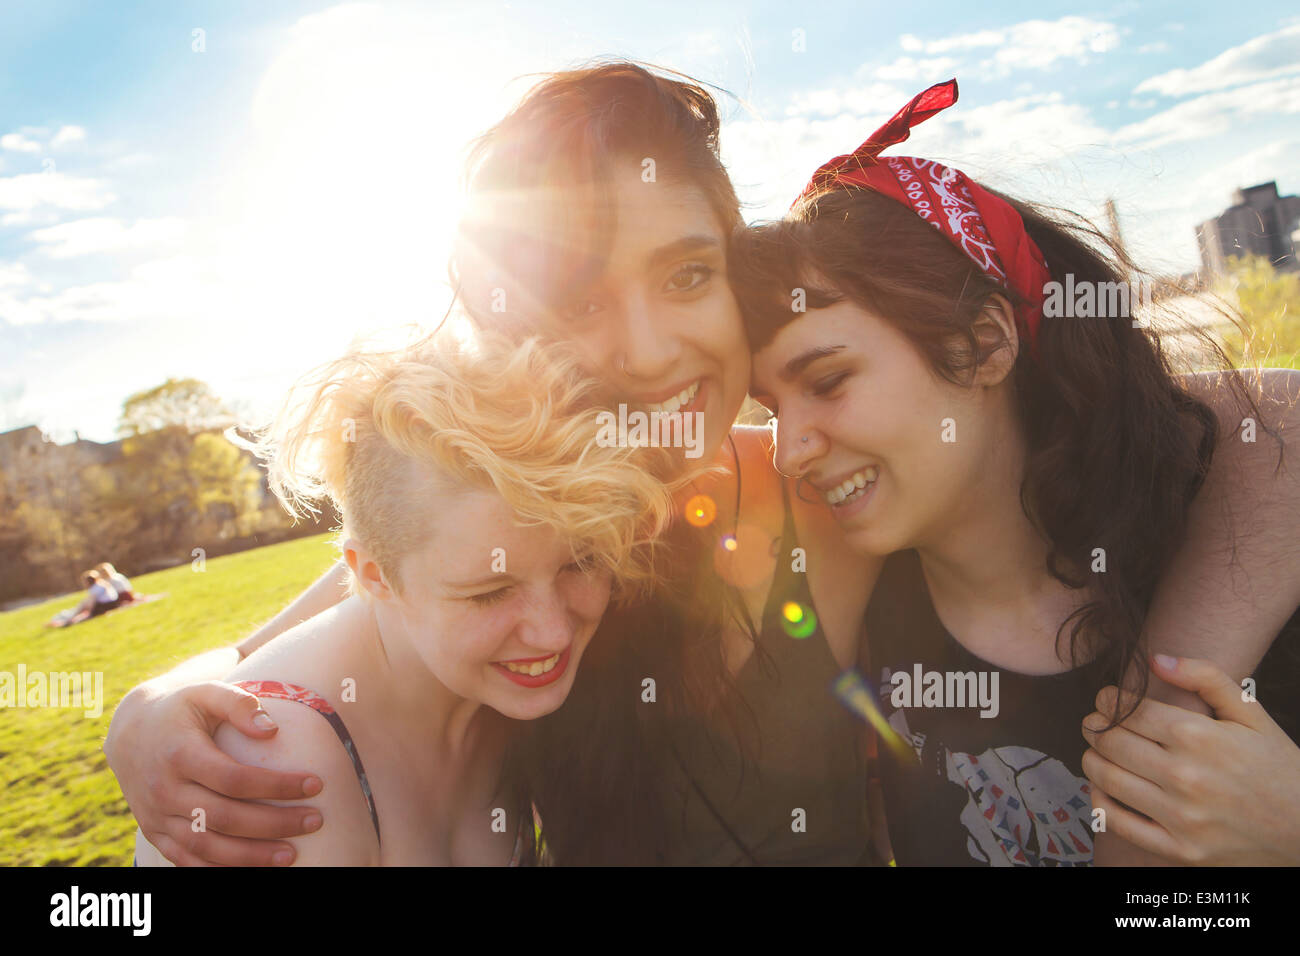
1005 789
963 789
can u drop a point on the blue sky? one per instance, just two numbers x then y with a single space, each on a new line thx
236 204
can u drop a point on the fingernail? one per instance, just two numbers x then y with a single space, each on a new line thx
262 720
311 821
311 786
1167 662
282 857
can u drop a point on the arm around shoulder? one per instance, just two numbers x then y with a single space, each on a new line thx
307 742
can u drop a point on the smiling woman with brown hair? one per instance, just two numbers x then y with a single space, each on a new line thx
1030 478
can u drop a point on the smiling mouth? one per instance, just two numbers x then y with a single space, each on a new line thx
532 668
852 488
676 402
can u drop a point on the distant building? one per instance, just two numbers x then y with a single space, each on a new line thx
1258 222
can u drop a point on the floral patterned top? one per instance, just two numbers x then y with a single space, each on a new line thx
282 691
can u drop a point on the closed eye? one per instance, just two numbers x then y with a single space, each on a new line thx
491 597
827 385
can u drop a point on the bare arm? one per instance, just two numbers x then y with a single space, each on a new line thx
1236 581
159 745
327 591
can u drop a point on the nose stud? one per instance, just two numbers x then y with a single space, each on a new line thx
804 439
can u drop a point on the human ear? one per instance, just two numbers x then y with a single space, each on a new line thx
364 568
999 341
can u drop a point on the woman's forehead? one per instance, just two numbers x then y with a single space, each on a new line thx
653 220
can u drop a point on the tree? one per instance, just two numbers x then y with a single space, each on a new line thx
186 482
184 402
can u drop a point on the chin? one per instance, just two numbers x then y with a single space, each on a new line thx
525 709
876 542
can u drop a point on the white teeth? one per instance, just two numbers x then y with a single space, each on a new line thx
534 668
684 397
853 487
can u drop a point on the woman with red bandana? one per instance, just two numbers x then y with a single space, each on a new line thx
1030 477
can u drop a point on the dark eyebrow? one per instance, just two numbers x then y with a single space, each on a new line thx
681 247
804 359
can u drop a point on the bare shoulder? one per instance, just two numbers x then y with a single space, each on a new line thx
1275 392
307 742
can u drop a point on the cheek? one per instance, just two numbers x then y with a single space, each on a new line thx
588 596
472 638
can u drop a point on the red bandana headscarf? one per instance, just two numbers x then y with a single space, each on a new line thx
987 229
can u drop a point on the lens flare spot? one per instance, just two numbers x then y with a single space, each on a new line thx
729 542
852 690
798 621
700 511
744 564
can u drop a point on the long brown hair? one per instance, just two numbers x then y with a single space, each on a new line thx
540 219
1117 448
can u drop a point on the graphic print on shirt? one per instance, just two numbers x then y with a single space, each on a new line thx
1023 807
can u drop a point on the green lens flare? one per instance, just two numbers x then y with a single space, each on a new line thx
797 620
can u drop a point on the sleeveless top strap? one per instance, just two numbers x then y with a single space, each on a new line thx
281 691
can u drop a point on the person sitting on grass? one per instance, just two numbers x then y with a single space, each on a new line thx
125 593
100 597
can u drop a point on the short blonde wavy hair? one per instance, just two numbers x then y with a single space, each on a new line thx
485 412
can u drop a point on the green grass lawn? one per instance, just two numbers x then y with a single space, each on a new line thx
61 804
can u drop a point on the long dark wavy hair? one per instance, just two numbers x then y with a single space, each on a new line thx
596 769
1117 447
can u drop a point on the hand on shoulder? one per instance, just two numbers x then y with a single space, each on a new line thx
306 742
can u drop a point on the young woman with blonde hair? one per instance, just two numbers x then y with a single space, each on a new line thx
484 529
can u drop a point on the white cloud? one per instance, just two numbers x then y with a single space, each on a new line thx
14 274
1037 44
906 68
32 190
1032 44
168 289
89 236
867 100
1264 57
1257 166
18 143
1213 113
963 41
66 136
1042 126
